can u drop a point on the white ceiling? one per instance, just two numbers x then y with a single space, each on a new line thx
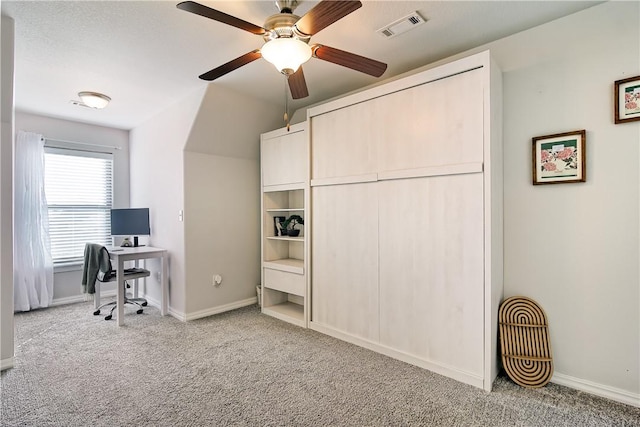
147 55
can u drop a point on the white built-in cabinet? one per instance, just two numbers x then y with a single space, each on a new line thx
406 211
284 166
400 187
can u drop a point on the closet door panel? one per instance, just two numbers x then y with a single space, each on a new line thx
344 142
434 124
344 258
431 269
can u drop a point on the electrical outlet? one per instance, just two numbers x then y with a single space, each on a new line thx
158 276
217 280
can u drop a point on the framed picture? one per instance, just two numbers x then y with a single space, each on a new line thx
627 100
559 158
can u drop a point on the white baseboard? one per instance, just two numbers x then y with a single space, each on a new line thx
151 301
177 314
220 309
171 312
81 298
112 293
6 364
601 390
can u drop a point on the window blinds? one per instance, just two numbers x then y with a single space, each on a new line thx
79 191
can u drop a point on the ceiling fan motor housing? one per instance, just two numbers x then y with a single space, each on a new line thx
281 25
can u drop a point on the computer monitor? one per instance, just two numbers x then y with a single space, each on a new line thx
130 222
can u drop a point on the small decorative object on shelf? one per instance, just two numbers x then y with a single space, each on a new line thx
277 225
289 225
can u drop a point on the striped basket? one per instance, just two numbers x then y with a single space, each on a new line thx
525 342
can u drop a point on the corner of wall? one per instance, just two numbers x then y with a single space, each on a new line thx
6 192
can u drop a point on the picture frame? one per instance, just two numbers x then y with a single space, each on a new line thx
277 225
559 158
626 100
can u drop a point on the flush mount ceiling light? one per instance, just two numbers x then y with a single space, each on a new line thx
94 99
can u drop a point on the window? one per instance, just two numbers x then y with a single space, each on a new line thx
79 190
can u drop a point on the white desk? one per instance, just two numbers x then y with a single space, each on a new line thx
118 257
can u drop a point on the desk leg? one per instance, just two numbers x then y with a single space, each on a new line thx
164 299
120 291
135 283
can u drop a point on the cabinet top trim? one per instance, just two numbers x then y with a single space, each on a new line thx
298 127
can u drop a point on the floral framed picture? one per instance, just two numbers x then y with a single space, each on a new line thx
627 100
559 158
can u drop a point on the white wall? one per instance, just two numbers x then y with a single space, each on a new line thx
6 193
67 284
222 200
222 231
157 182
574 248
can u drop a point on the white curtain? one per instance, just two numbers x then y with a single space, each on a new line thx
32 265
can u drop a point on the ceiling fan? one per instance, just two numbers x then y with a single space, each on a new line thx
287 38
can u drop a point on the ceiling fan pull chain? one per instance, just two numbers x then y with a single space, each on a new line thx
286 104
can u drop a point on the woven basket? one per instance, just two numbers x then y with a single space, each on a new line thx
525 342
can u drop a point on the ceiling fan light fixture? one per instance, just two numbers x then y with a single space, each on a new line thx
94 99
286 54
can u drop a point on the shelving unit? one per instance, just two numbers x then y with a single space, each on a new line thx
284 193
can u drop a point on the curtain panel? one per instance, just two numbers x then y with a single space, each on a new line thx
33 265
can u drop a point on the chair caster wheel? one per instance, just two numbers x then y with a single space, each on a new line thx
95 313
139 311
144 304
107 317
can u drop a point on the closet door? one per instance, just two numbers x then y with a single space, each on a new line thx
344 258
431 269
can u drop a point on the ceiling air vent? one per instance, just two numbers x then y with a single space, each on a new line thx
401 25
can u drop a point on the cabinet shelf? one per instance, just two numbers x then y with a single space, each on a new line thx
289 265
276 210
287 311
285 238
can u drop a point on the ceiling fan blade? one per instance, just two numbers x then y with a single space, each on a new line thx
324 14
349 60
298 85
216 15
231 65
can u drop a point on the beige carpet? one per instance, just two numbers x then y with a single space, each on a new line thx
245 369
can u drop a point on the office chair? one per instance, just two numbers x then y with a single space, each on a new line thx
97 268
